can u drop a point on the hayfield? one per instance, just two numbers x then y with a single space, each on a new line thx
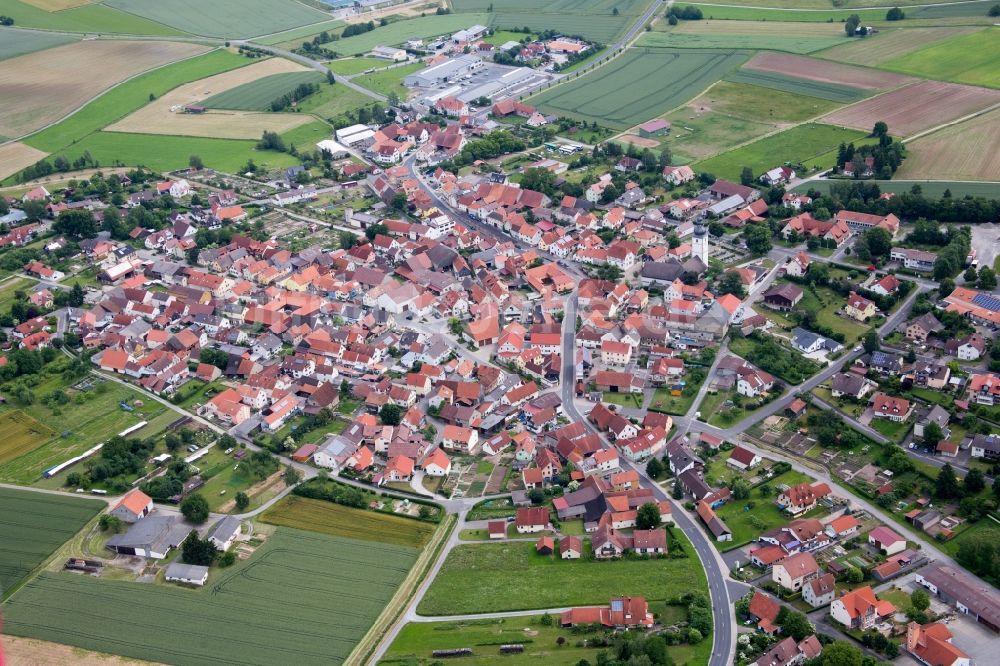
225 18
639 85
972 58
21 434
825 71
917 107
39 88
829 91
15 42
89 18
398 32
302 598
337 520
157 117
967 151
890 44
811 144
790 37
33 526
593 19
258 95
16 156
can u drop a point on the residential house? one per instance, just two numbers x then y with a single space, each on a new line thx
743 459
794 571
859 308
886 540
820 591
931 644
783 297
889 407
860 609
531 519
802 497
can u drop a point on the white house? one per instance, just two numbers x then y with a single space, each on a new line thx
189 574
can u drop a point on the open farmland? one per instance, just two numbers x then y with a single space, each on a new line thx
969 150
15 42
16 156
301 34
302 598
333 101
87 18
930 188
224 18
829 91
966 12
336 520
350 66
592 19
389 81
973 58
258 95
811 144
639 85
825 71
520 579
825 4
790 37
163 115
398 32
917 107
33 526
21 434
39 88
890 44
58 5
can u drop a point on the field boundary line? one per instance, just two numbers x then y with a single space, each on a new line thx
852 9
957 121
397 606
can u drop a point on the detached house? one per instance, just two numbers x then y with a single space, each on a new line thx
885 406
859 308
803 497
860 609
792 572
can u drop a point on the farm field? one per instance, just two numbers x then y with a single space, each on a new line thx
398 32
350 66
825 71
972 58
707 34
15 156
42 87
967 151
307 31
90 18
774 81
809 144
46 653
258 95
917 107
224 18
14 42
158 118
890 44
301 598
825 4
335 100
520 579
931 188
418 640
389 81
593 19
337 520
969 12
639 85
34 526
22 434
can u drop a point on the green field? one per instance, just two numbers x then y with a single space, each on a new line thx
890 44
91 18
791 42
34 525
639 85
593 19
21 434
225 18
18 42
302 598
482 578
350 66
930 188
829 91
333 101
258 95
810 144
824 5
743 523
337 520
398 32
302 34
823 12
388 81
972 59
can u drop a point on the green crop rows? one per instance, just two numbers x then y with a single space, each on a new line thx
225 18
830 91
592 19
258 95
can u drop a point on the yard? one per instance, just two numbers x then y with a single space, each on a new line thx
633 400
520 579
750 517
724 408
895 431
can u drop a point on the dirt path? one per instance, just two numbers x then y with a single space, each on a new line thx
31 652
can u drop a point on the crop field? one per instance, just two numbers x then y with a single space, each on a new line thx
333 101
915 108
350 66
21 434
810 144
224 18
39 88
930 188
593 19
90 18
258 95
159 116
58 5
828 91
398 32
390 80
16 156
301 34
302 598
825 4
639 85
337 520
492 577
970 11
790 37
969 150
15 42
825 71
890 44
972 58
33 526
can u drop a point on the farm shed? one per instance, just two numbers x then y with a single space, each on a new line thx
191 574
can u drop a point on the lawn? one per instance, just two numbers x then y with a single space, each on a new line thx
15 42
750 517
389 81
984 526
333 101
33 527
350 66
598 20
713 411
258 95
225 18
501 37
894 431
638 85
89 18
520 579
810 144
833 92
633 400
769 355
303 598
9 288
972 58
416 642
890 44
342 521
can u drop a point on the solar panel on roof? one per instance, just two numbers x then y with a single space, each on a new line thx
991 303
616 605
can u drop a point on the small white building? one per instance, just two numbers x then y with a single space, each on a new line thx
189 574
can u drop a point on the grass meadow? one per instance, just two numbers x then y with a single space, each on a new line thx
389 81
774 36
973 58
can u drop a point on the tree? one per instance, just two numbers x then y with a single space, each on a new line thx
76 295
78 223
871 341
536 495
758 239
729 283
291 476
987 278
345 387
678 490
195 508
739 488
946 485
880 129
932 435
172 441
242 500
196 163
390 414
994 10
654 467
648 516
198 551
841 653
973 482
376 230
877 241
110 523
851 25
895 14
855 575
746 176
794 624
920 600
